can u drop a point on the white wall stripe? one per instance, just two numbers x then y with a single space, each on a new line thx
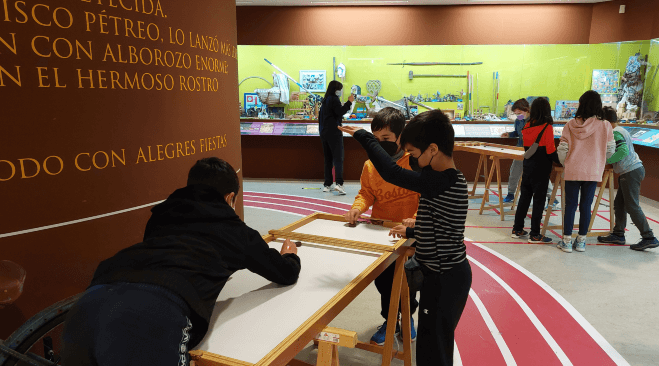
76 221
527 310
498 338
606 346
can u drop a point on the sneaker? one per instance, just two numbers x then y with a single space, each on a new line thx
554 206
611 239
580 244
566 247
400 326
381 334
518 234
327 188
509 198
339 188
645 244
539 239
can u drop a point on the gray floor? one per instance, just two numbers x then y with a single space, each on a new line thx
614 288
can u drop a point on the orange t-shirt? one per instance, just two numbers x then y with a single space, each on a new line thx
389 202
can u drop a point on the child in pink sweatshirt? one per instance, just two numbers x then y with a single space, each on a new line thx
586 143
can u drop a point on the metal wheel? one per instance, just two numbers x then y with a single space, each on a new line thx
17 349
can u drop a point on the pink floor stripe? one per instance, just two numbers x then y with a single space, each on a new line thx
524 340
300 211
573 339
475 342
305 205
339 205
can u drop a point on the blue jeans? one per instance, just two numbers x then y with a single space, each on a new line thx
127 324
572 189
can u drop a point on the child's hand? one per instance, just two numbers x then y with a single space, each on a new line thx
352 216
288 247
350 129
409 222
399 231
505 134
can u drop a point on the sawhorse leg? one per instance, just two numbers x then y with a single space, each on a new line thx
392 317
550 208
496 166
482 163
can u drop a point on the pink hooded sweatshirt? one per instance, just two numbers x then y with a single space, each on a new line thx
584 148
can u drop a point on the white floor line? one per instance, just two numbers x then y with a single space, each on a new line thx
606 346
293 195
503 347
457 360
77 221
527 310
270 209
279 204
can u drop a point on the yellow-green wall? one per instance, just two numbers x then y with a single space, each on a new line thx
561 72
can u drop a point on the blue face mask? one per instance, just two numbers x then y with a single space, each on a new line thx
339 93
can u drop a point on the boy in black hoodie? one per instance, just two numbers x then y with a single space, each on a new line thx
152 302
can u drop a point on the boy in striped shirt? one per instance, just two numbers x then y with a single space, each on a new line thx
439 230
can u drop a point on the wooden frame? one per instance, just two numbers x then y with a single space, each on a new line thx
296 341
505 152
560 180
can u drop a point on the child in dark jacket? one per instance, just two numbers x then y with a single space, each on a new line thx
146 296
537 169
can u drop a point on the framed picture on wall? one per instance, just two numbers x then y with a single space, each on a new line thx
566 109
252 101
314 80
606 81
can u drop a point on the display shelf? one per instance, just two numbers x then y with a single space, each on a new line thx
646 135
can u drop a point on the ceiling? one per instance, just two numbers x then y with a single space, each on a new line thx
402 2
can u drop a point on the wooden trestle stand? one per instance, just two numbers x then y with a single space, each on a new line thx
494 152
560 181
315 327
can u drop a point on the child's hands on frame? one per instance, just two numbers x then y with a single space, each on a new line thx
350 129
399 231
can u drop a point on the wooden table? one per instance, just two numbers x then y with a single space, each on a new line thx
282 307
494 152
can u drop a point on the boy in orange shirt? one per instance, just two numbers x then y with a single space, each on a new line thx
389 202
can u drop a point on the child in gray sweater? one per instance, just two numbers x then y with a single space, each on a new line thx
630 167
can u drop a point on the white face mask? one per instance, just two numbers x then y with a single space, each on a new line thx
339 93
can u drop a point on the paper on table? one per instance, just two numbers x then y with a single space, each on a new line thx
253 315
337 229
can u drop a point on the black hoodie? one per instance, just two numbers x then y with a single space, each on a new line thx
192 243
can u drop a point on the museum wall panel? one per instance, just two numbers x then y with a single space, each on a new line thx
640 21
105 109
415 25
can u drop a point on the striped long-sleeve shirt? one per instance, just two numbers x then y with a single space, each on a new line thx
443 206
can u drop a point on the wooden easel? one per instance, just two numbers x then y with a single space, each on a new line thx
285 352
560 181
494 152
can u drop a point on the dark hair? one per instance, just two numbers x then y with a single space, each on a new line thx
590 105
332 87
216 173
521 104
610 114
431 127
540 113
389 117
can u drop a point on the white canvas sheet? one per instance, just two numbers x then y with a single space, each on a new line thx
252 315
337 229
500 149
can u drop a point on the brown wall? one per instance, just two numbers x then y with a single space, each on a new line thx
56 120
415 25
639 22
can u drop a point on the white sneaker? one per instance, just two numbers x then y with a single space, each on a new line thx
339 188
327 188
